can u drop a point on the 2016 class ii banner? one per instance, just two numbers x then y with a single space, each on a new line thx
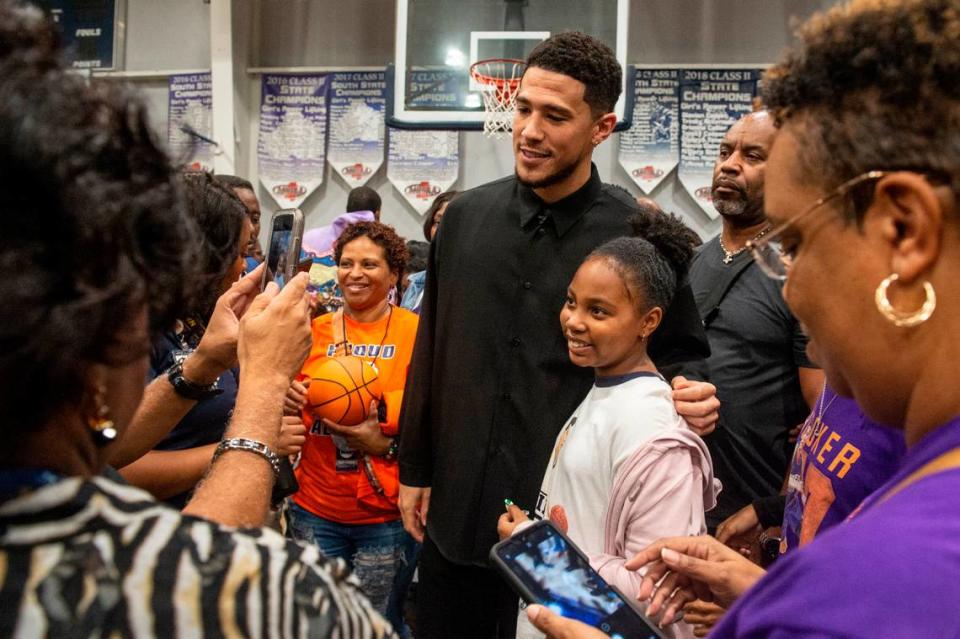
291 150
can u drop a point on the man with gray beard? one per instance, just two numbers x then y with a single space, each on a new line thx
758 356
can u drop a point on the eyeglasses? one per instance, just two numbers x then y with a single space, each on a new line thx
773 258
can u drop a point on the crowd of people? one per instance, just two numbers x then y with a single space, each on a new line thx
752 436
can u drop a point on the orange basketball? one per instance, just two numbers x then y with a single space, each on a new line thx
342 388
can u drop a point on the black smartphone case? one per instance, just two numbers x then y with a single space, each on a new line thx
505 570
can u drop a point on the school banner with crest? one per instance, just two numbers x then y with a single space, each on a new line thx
649 149
423 164
357 125
291 150
711 100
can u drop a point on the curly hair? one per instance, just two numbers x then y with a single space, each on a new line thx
586 59
875 85
439 201
383 235
654 261
648 206
94 227
219 216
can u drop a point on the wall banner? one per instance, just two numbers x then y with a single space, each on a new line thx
423 164
649 149
429 89
191 120
293 134
357 106
711 100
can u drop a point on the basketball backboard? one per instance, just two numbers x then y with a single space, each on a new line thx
438 40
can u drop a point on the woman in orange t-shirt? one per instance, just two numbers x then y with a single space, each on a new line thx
347 502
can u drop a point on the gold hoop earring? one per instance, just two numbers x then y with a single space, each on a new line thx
101 427
905 319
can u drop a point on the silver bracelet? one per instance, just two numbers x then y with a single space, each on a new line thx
251 446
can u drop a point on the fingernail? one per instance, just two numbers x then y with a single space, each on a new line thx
507 503
670 556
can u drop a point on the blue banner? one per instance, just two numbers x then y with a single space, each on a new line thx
436 89
190 120
293 134
357 106
711 101
650 148
423 164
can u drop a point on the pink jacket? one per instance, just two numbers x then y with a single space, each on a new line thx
662 490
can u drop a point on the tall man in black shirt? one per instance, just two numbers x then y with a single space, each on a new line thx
490 383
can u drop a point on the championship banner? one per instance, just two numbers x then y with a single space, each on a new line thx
710 102
293 135
357 106
649 149
190 123
436 89
423 164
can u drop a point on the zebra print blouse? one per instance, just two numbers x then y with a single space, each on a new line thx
90 558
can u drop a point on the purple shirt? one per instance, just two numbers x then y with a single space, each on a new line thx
891 570
840 458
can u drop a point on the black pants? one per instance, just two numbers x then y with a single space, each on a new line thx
456 601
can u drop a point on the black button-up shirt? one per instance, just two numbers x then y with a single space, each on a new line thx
490 383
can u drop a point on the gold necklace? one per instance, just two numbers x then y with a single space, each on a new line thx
729 255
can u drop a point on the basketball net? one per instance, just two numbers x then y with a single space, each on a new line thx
499 79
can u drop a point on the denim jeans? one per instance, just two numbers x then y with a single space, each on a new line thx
382 556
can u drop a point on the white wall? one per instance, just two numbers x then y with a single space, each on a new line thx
174 35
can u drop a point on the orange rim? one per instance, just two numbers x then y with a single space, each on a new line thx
501 83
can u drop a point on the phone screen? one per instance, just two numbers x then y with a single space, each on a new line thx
557 575
278 251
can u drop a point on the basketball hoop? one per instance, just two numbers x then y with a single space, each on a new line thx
499 79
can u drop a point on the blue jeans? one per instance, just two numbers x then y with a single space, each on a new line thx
382 556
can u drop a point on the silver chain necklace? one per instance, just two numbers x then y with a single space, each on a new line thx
729 255
821 409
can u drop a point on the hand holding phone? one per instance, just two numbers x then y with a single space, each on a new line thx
546 568
283 249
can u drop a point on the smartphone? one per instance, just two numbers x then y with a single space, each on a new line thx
546 568
283 249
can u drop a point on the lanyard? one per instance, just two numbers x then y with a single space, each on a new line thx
945 461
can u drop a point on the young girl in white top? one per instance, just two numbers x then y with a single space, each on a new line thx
625 470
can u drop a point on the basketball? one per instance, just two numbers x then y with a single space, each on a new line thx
342 389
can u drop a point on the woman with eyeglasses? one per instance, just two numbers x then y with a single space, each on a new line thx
861 188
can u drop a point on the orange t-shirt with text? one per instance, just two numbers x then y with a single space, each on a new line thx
333 483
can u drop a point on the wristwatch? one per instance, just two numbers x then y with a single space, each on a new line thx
187 389
769 548
391 453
